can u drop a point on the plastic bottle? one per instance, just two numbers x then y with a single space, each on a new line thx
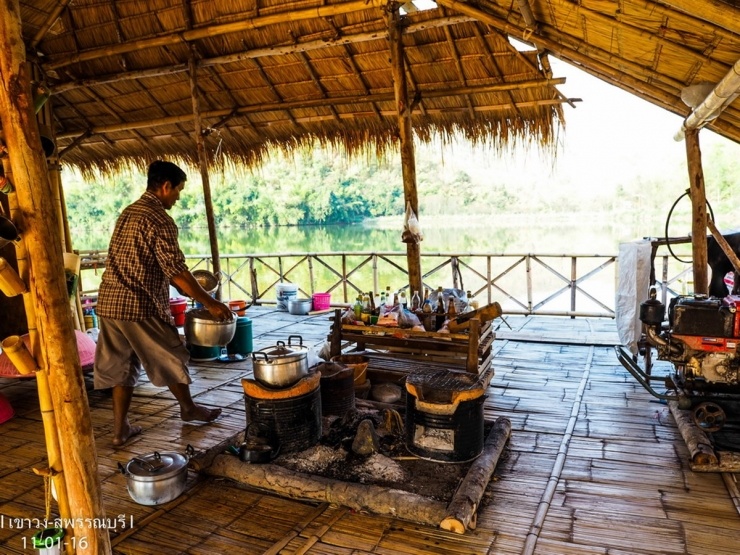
415 301
357 308
402 299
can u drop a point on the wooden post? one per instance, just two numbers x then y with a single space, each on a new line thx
203 161
406 135
698 212
57 349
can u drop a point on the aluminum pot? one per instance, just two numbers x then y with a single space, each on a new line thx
299 307
156 478
281 365
202 329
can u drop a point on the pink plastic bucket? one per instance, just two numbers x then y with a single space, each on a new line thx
321 301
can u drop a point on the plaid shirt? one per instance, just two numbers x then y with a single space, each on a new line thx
142 257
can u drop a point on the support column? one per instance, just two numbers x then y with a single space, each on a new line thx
406 135
57 347
203 162
698 212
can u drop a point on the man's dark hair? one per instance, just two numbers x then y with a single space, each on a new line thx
161 171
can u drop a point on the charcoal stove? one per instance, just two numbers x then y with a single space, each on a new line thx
290 415
444 415
700 339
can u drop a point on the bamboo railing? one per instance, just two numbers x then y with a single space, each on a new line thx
575 285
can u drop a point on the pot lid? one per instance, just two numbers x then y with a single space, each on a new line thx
285 352
156 466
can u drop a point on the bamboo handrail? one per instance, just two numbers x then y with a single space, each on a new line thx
209 31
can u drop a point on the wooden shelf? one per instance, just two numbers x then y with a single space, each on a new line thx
470 352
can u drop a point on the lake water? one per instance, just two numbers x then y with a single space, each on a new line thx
460 234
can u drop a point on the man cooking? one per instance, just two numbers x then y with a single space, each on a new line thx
144 258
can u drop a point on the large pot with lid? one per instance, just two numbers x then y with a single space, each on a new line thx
281 365
156 478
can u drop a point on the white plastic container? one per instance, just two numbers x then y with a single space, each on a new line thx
285 292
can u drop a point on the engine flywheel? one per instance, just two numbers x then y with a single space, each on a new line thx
710 417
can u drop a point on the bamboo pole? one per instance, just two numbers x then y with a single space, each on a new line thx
406 135
323 102
697 442
722 14
58 353
250 24
253 53
203 162
601 63
460 513
46 407
719 98
698 212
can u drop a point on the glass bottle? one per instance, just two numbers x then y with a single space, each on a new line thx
426 319
440 320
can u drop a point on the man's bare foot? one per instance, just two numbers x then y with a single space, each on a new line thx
201 413
128 432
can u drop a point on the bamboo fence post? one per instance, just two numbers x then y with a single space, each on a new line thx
698 212
203 162
63 398
406 135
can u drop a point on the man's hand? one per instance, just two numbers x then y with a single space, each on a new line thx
219 310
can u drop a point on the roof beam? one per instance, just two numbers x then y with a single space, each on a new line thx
190 35
317 103
602 64
722 14
723 94
257 53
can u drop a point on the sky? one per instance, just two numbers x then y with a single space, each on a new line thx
611 137
613 134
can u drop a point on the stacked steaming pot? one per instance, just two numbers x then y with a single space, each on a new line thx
281 365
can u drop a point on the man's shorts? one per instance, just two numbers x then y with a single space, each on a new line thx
124 347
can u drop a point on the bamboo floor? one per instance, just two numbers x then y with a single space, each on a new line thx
594 465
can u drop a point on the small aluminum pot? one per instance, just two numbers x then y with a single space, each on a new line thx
156 478
299 307
202 329
281 365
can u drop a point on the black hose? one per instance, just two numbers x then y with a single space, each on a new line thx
668 219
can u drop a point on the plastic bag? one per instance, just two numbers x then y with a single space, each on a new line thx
407 319
411 227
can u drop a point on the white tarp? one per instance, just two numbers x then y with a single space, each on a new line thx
632 289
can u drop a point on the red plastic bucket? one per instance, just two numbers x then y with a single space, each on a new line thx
321 301
178 305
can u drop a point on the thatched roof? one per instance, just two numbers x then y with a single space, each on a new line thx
274 73
287 73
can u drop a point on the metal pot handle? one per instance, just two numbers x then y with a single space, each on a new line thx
256 354
122 469
300 340
282 343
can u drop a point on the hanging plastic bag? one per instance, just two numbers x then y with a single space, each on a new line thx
411 227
